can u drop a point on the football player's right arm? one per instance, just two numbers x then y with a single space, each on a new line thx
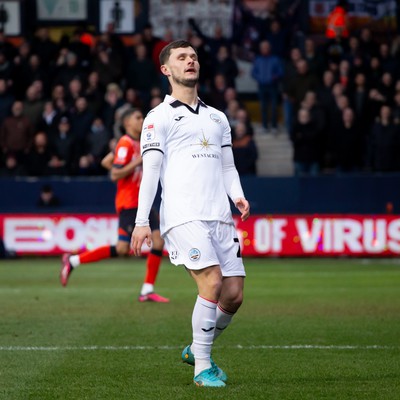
152 161
107 161
121 172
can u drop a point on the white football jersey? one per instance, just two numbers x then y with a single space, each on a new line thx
191 173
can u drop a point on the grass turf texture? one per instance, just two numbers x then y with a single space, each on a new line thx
308 329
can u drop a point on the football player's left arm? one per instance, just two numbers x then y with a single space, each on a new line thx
232 183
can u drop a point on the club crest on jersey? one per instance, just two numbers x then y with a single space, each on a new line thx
215 118
149 133
194 254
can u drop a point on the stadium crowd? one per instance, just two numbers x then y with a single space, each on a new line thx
338 98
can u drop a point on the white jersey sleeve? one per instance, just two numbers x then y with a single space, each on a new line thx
230 175
152 142
152 161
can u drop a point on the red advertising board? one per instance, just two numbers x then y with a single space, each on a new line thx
260 235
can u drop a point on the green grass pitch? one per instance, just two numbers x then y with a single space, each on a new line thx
308 329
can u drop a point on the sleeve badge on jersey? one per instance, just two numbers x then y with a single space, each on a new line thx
149 132
122 152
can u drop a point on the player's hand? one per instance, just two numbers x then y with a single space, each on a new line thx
139 235
244 207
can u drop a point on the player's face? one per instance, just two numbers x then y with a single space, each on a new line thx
183 67
133 124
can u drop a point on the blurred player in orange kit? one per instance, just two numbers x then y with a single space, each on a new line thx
125 165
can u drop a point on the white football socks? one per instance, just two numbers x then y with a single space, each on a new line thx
203 325
147 288
74 260
224 318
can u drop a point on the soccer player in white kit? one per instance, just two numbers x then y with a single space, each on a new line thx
187 146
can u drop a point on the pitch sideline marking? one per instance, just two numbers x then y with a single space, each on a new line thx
255 347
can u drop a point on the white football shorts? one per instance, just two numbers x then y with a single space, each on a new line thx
201 244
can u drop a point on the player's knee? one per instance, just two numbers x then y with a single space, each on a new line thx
122 249
232 300
215 285
158 241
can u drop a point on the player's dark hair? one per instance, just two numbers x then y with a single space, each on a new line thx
126 114
166 51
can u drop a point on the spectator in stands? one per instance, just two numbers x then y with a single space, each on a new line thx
216 97
12 166
388 63
94 93
94 149
226 65
231 111
324 90
37 73
112 43
335 50
38 158
6 100
314 57
21 70
344 74
133 99
358 96
374 72
244 150
33 105
16 132
81 120
67 68
305 145
317 113
44 47
368 46
290 71
108 68
212 42
386 88
375 102
348 143
74 92
49 119
267 71
80 48
58 91
112 101
63 150
300 84
47 197
149 40
384 144
277 37
62 109
142 74
243 116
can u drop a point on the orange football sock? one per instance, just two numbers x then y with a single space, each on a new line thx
153 265
97 254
